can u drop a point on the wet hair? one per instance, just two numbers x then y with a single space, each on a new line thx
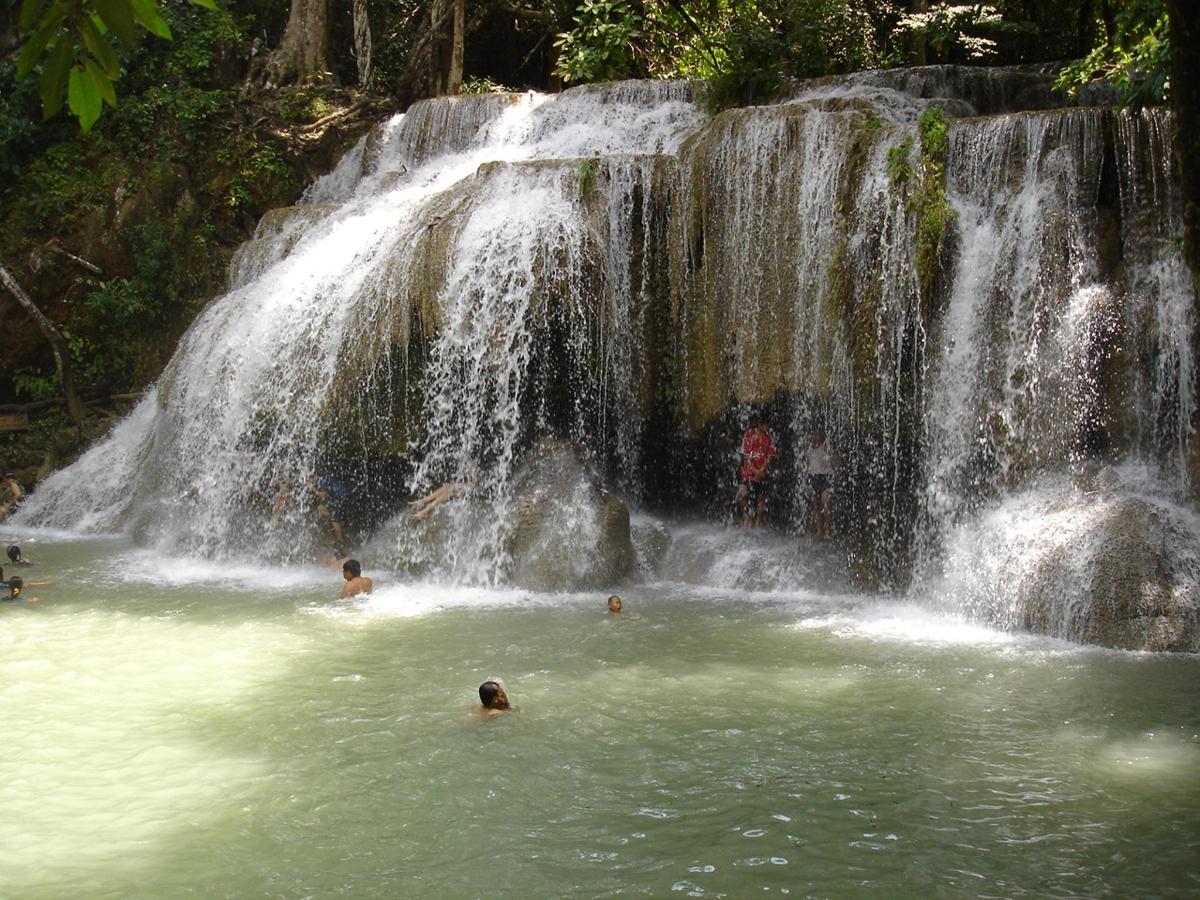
14 553
354 567
489 691
15 584
611 599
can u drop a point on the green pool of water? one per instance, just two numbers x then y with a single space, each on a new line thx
188 728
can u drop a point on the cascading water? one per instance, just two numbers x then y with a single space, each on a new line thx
1161 321
1011 390
1039 378
614 268
463 221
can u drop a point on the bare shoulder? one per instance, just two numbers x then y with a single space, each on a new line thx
356 586
485 713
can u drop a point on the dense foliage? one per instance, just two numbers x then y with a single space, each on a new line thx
1133 53
153 197
746 49
72 45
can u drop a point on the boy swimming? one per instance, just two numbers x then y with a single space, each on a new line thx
15 586
356 582
493 699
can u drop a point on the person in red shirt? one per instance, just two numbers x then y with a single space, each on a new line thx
757 449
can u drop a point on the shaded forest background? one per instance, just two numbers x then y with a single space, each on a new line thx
133 164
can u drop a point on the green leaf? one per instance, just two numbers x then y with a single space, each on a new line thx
30 10
100 48
54 77
103 83
146 12
37 42
84 97
118 16
207 4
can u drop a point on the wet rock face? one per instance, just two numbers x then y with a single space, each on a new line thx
568 533
1145 588
1136 579
651 543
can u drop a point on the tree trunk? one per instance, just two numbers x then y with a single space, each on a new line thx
303 54
362 43
918 43
58 344
448 18
454 75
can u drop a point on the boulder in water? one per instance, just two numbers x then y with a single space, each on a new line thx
1109 566
1139 578
651 541
568 533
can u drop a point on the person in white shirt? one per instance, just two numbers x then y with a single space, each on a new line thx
820 461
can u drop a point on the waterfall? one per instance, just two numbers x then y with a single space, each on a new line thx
614 268
1161 311
1012 388
1061 401
463 221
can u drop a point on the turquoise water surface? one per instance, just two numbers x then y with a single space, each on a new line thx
179 727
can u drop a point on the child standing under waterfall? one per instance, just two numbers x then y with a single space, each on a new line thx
758 447
820 461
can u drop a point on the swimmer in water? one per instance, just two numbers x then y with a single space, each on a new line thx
451 490
493 699
15 557
356 582
16 591
23 583
614 604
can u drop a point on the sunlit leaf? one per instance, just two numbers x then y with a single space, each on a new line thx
83 95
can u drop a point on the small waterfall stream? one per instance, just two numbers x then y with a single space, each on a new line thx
1013 386
613 267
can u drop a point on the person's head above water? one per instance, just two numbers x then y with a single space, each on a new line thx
492 696
14 553
15 586
351 568
614 604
